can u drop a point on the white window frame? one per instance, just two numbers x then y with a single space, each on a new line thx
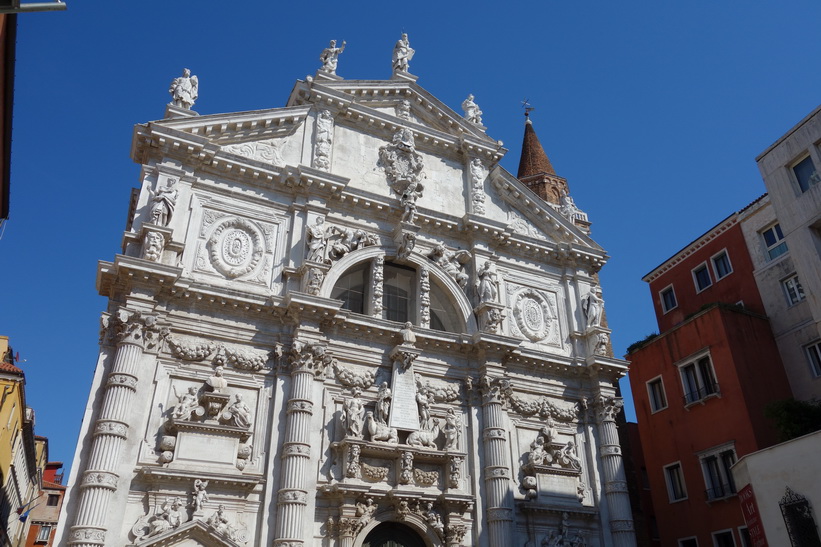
650 397
669 484
682 540
661 298
741 541
47 528
703 266
793 280
729 264
769 248
726 481
701 383
714 534
813 353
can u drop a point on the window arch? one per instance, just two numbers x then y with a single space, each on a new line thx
407 294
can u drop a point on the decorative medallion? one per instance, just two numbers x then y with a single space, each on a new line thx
533 316
236 247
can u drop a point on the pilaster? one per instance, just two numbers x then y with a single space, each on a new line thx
499 503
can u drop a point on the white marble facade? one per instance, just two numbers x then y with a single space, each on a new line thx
339 319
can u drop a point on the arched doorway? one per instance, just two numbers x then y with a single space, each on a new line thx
393 534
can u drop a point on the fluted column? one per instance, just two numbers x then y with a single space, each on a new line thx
496 472
615 482
99 480
308 362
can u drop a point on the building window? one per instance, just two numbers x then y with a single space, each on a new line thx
814 354
718 478
799 518
793 290
698 380
774 241
655 389
398 287
675 482
688 542
721 265
442 313
723 539
668 299
44 534
805 174
744 536
351 289
53 500
701 275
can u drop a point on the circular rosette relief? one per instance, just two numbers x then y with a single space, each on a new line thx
532 314
236 247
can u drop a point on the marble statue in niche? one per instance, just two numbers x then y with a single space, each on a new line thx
487 287
593 306
402 54
184 90
330 57
354 414
164 200
453 426
317 240
472 112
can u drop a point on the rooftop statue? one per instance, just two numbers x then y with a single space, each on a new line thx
472 112
184 90
402 54
330 57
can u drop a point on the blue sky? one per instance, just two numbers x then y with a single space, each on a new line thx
653 111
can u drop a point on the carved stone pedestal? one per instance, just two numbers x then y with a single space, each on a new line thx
490 316
312 276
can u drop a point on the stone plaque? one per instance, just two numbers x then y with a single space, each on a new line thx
404 410
203 448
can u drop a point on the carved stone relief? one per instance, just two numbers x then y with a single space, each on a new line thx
535 315
477 186
402 164
424 298
153 245
324 140
521 226
236 247
354 377
377 284
452 262
263 151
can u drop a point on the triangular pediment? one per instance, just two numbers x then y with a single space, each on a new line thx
190 534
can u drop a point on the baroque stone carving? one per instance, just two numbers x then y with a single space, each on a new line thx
354 470
533 314
402 54
487 284
377 284
495 390
426 478
330 57
607 408
199 494
219 521
379 431
472 112
365 510
407 245
241 359
434 520
238 414
455 471
456 534
169 517
424 298
315 279
567 207
324 140
310 357
452 262
153 245
133 327
477 187
403 109
543 407
236 247
375 473
349 240
184 90
425 438
186 403
406 473
264 151
194 351
382 409
349 378
402 164
413 191
520 226
316 237
437 391
593 305
164 200
602 340
216 383
353 416
453 430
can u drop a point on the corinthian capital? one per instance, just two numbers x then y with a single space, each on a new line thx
133 327
310 357
607 408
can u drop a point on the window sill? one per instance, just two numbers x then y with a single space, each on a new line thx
729 496
703 400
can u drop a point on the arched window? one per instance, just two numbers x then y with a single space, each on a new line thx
403 295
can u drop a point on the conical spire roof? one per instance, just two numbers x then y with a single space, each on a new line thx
533 160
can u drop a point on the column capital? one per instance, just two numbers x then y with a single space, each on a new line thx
607 408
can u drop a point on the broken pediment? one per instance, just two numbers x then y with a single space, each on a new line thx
191 534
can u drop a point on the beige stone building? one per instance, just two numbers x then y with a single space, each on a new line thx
342 322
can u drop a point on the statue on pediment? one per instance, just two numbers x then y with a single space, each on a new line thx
402 54
472 112
330 57
184 90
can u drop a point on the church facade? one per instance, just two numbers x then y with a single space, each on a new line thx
343 323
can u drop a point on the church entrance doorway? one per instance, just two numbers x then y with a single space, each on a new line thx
393 534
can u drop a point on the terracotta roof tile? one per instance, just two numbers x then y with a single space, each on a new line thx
8 367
